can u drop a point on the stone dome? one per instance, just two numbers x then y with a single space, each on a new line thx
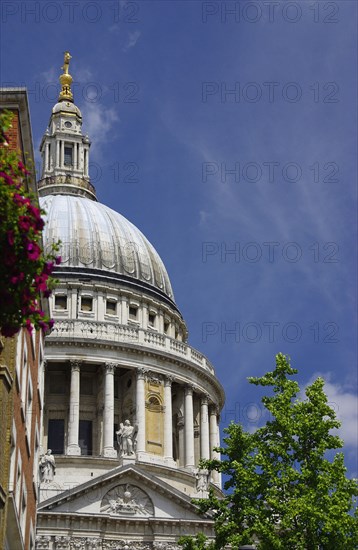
96 237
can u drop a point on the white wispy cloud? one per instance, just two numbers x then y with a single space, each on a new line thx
262 214
344 402
99 122
203 217
83 74
133 38
80 73
51 75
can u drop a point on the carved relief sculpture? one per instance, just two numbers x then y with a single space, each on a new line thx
127 500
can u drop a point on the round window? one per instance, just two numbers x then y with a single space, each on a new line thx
68 124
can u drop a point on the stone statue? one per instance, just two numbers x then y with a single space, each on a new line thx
47 467
202 480
126 438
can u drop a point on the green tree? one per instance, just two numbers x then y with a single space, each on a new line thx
282 490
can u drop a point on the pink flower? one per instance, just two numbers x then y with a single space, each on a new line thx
24 223
48 267
19 199
7 178
36 212
39 224
22 168
26 296
58 260
33 250
10 237
41 282
10 258
17 278
28 326
9 330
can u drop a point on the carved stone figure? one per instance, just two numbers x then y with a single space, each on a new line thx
47 467
202 480
126 438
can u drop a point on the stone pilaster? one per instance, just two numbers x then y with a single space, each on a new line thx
214 442
189 428
108 411
140 407
168 420
124 310
73 447
204 429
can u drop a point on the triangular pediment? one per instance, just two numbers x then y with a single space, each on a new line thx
124 492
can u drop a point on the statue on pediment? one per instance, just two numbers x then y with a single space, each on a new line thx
126 438
202 481
47 467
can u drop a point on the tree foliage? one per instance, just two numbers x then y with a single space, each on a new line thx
282 491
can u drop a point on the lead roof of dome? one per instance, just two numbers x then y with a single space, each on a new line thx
96 237
66 107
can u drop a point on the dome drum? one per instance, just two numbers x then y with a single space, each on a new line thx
66 185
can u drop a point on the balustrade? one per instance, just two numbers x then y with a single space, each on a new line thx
99 330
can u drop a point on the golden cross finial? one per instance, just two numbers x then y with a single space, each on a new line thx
66 80
66 62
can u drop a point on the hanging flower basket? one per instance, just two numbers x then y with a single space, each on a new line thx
25 271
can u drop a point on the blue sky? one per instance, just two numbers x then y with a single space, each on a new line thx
268 172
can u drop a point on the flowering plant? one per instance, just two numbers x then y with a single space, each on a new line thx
25 271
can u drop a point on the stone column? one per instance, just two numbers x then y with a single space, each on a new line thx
168 420
72 302
160 322
189 428
62 150
75 155
145 316
181 441
204 429
124 310
46 157
86 161
140 407
108 412
73 447
101 306
218 474
214 441
58 154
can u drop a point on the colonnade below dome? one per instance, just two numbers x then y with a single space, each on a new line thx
85 405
